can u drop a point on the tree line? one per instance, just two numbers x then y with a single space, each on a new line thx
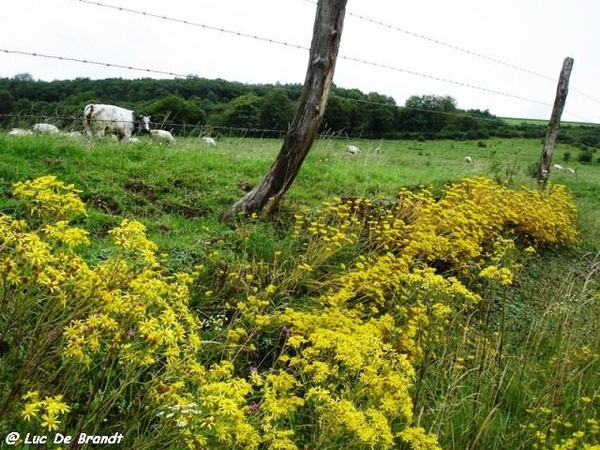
263 109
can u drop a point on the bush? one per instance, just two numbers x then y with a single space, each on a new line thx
585 156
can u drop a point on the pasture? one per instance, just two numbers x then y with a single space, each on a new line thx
517 369
172 189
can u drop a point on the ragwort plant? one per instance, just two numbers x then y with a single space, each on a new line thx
374 333
417 259
106 348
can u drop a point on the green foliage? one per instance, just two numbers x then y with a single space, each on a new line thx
296 349
196 100
427 112
585 156
7 102
276 110
175 109
322 314
243 112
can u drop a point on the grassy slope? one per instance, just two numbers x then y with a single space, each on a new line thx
175 189
179 192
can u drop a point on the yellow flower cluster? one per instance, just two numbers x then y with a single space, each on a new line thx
46 411
142 315
380 281
50 197
585 435
355 381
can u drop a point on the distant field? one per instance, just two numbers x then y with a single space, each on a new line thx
173 187
208 177
544 122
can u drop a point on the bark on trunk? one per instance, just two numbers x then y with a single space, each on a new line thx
327 33
559 104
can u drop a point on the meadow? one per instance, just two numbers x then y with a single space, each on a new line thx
395 299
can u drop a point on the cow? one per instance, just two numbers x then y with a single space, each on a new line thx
352 150
209 141
468 159
121 122
557 167
45 128
162 136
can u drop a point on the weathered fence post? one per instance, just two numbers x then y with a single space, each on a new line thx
559 104
327 33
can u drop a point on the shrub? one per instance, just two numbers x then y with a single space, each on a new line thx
585 156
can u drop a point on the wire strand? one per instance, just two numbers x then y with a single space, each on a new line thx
341 56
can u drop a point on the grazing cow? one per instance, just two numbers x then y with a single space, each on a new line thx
45 128
468 159
557 167
352 150
209 141
19 132
162 136
118 121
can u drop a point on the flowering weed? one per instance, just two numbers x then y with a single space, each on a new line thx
369 330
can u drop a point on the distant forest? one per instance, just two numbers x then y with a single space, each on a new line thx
182 105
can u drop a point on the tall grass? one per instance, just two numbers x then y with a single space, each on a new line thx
517 369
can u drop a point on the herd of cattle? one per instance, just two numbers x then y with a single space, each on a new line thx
121 124
124 125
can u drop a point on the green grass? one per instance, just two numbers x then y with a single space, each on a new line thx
542 122
179 191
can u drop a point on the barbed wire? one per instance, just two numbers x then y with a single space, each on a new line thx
195 24
178 75
458 48
287 44
198 129
78 119
89 61
300 47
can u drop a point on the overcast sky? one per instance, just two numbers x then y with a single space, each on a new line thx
533 35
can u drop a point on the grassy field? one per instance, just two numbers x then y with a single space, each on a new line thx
526 378
542 122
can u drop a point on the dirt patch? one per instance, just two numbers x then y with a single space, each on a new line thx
138 186
104 203
187 211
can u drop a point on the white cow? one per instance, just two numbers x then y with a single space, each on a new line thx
19 132
468 159
352 150
121 122
45 128
162 136
209 141
557 167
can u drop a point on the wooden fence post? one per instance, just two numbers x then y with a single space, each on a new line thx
559 104
327 33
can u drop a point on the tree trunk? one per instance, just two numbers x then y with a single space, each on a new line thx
327 33
559 104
